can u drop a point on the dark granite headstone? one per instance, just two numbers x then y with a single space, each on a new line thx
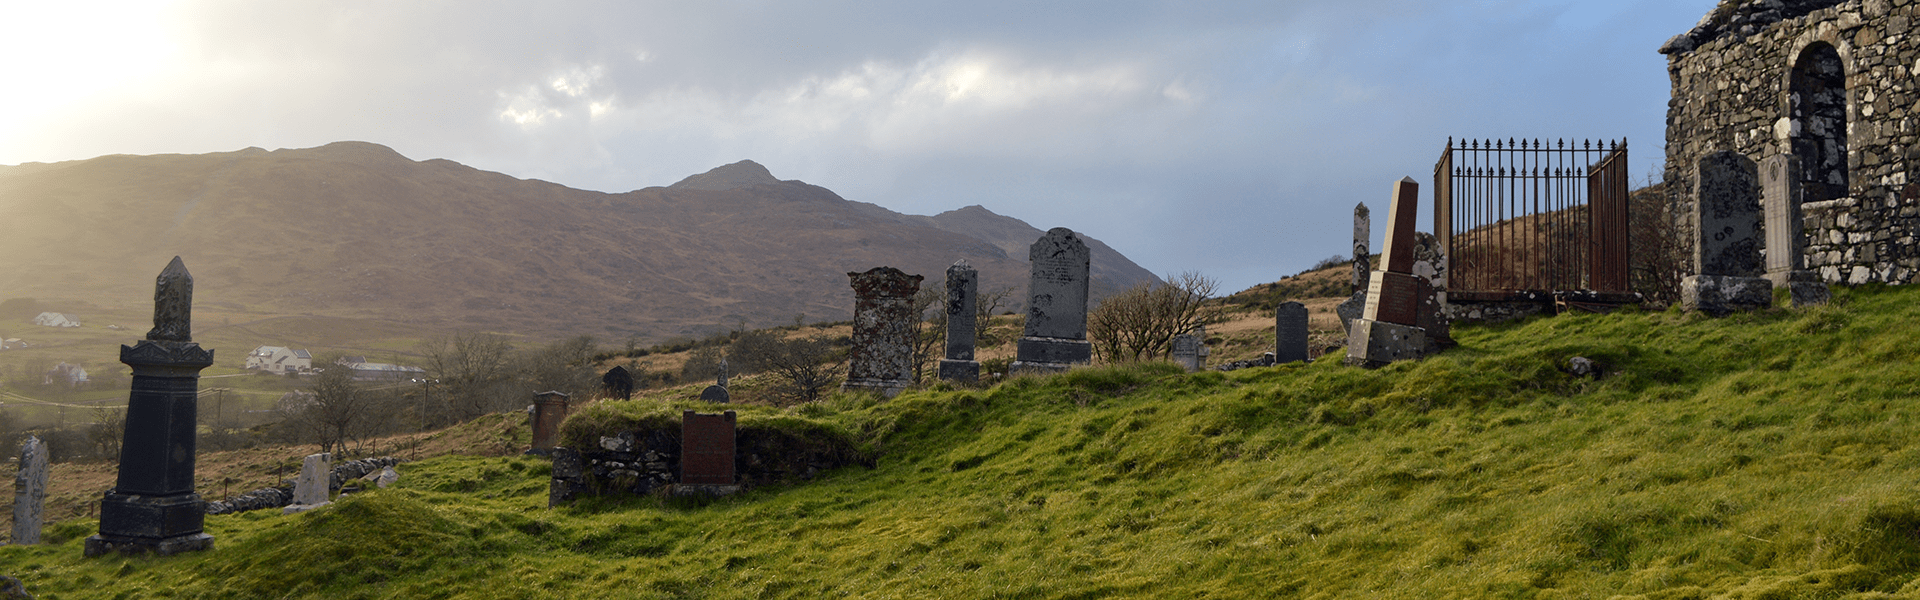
1290 333
618 383
707 449
881 359
714 393
153 507
1056 329
962 302
1726 254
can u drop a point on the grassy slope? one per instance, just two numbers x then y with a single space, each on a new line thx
1758 456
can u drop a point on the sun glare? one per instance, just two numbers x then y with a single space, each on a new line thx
67 53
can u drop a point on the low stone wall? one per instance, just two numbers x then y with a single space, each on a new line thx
642 462
276 497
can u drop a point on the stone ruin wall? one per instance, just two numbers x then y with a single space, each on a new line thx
1731 87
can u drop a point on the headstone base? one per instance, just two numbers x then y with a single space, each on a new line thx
959 370
688 489
102 544
1804 287
1719 295
887 388
1376 343
300 508
1054 350
1021 366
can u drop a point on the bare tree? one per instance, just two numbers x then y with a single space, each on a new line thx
474 370
1139 323
338 408
929 330
565 366
804 369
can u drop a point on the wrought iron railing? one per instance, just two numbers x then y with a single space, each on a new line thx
1520 216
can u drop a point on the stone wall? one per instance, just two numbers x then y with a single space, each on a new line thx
643 461
1755 77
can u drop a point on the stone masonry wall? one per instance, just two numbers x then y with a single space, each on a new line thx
1731 91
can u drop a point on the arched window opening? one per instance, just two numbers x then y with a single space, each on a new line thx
1817 105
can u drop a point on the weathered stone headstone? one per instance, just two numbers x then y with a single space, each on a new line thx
618 383
312 489
716 394
1726 260
707 454
1290 333
30 492
1430 267
1780 197
152 506
1186 351
1056 331
1389 329
722 373
549 410
881 359
962 302
1352 307
384 477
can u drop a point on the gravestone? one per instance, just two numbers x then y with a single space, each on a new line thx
881 359
1353 306
1289 333
1727 266
1430 267
549 410
1186 351
722 373
1388 330
152 506
1780 198
30 492
707 454
962 302
716 394
618 383
1056 331
311 490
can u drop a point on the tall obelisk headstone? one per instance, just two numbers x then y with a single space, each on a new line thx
152 507
1780 197
30 492
1388 329
1727 267
1351 308
962 300
1056 332
881 359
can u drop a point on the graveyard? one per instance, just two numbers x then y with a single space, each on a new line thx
1696 462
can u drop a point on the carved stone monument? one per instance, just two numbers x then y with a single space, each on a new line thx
618 383
30 492
1290 333
1388 330
1352 307
1780 197
881 359
962 302
549 410
313 489
153 507
1726 260
1056 331
1186 351
707 454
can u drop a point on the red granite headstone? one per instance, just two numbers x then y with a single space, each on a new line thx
549 409
706 448
1393 298
1397 255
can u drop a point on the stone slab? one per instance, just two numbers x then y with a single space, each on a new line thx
962 304
151 517
102 544
30 492
1726 186
883 319
1186 351
1290 333
1393 298
1808 293
1780 202
1352 308
1720 295
707 448
1375 343
1057 289
959 370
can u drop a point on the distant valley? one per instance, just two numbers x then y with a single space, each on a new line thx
356 230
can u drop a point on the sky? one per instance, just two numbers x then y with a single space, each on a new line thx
1225 137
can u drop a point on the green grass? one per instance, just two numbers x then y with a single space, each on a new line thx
1771 455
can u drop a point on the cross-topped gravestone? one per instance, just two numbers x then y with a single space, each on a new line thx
549 410
1727 266
1388 329
1290 333
707 453
153 507
618 383
30 492
1056 329
962 302
881 359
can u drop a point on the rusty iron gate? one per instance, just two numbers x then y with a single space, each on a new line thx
1522 218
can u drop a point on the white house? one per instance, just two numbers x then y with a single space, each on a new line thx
66 373
54 319
276 359
368 371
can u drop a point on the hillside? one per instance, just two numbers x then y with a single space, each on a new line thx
1770 455
356 230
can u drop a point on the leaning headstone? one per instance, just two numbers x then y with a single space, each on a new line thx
1056 331
1780 197
1186 351
618 383
30 492
386 476
1290 333
1388 330
881 359
152 506
1726 254
707 454
549 410
310 491
962 301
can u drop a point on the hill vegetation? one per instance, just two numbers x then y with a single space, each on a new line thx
1766 455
